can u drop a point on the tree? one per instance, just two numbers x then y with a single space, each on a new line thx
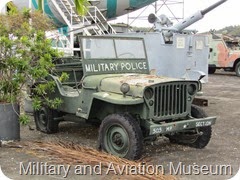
25 56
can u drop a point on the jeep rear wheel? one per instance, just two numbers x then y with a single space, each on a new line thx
199 137
44 120
121 135
237 69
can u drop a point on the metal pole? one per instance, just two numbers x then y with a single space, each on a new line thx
30 4
30 7
128 22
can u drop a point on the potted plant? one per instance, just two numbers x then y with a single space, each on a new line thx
25 55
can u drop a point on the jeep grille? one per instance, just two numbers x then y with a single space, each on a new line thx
170 100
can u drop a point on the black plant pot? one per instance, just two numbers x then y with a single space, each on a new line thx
9 122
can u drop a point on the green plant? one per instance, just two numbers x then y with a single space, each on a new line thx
81 6
25 56
12 8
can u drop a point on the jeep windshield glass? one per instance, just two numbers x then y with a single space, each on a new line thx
96 48
113 55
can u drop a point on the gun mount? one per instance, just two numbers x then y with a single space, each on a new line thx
162 23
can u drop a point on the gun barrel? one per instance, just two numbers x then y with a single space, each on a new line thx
205 11
195 17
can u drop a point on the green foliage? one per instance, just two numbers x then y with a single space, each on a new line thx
12 8
25 57
24 119
64 76
54 103
81 6
230 30
37 103
41 91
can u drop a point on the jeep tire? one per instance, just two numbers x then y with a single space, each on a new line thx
237 69
211 70
192 139
120 135
44 120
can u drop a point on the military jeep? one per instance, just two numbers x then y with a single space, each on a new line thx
111 84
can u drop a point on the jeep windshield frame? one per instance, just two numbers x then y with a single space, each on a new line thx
113 55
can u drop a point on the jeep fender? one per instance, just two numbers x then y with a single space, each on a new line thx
111 99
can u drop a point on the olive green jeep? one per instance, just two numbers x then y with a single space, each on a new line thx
111 84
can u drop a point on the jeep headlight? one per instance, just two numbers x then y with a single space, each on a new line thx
148 93
125 88
192 88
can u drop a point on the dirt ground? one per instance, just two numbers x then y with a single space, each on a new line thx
222 92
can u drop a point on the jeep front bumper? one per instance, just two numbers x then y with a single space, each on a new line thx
179 126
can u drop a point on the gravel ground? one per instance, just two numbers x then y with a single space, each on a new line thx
222 152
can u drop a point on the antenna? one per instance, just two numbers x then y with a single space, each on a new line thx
173 9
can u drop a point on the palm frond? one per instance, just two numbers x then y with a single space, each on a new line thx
81 6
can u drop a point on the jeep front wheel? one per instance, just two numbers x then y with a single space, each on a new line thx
44 120
121 135
237 69
199 137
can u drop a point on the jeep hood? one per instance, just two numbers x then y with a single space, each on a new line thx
137 83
